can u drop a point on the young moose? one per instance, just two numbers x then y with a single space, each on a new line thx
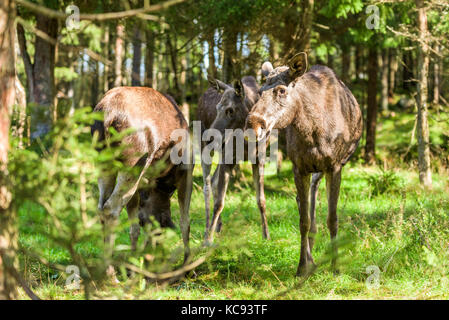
221 111
323 124
154 117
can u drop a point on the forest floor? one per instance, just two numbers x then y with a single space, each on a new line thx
394 239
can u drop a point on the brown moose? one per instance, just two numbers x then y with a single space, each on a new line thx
153 117
226 107
323 125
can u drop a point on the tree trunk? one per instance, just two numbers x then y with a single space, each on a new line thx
119 54
392 69
8 227
384 81
173 54
158 82
358 57
371 117
273 50
149 58
19 114
136 80
425 174
230 53
81 92
211 56
199 76
436 76
72 84
185 108
298 39
107 56
95 84
407 71
40 75
26 61
345 64
330 60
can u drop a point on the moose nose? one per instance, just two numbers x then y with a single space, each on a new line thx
257 124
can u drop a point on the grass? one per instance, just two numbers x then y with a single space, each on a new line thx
397 226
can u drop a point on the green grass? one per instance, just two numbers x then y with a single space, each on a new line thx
400 228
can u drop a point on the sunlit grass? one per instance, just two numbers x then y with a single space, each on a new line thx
246 266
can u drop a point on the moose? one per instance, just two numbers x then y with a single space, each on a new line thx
222 107
323 124
152 117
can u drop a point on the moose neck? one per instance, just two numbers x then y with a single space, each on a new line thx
291 111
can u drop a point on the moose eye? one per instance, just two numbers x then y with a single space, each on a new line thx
229 112
280 91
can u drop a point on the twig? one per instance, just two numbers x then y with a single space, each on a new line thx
166 275
23 283
97 16
414 37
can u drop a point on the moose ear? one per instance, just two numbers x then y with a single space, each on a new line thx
297 65
239 89
267 67
217 84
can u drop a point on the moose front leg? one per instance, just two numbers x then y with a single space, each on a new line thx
258 177
207 193
302 182
134 230
106 185
333 181
316 179
224 174
184 197
120 197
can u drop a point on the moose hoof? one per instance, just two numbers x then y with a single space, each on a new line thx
208 242
266 236
112 276
305 269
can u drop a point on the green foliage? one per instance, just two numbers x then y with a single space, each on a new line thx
65 74
341 8
322 50
383 182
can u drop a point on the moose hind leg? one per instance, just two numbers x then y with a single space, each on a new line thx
333 181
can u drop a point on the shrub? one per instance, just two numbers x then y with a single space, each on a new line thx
383 182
